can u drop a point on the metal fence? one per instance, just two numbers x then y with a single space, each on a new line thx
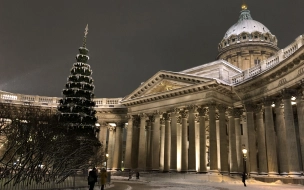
77 180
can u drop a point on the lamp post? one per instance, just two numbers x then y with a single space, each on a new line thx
244 150
107 155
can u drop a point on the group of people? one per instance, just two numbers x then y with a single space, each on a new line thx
92 178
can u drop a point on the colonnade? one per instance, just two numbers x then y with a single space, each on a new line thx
210 138
176 140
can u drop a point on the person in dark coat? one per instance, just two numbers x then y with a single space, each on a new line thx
92 178
130 175
137 175
244 178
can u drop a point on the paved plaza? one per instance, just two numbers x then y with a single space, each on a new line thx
192 182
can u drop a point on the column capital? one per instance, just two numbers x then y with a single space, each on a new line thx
179 119
222 108
258 109
147 128
157 113
287 93
111 128
167 116
129 116
184 113
243 118
162 121
237 112
202 111
142 115
249 107
174 110
192 107
267 101
120 124
151 117
278 102
211 105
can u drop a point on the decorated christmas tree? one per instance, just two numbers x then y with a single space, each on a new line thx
76 108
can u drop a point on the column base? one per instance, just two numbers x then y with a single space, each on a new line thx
273 173
254 173
234 173
263 173
224 172
214 171
294 173
284 173
202 172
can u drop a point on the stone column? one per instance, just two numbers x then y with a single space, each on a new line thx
135 142
300 110
223 138
292 147
142 153
162 145
128 159
149 142
103 131
167 144
202 167
155 140
111 147
261 140
281 137
232 143
212 139
184 153
118 146
272 160
191 139
173 154
252 152
238 139
179 142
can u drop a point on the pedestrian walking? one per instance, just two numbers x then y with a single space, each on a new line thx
103 178
244 178
92 178
130 175
137 175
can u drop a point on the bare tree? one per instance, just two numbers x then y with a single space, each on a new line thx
36 148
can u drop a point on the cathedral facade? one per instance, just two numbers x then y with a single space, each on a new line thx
200 119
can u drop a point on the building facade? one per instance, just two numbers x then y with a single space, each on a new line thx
200 119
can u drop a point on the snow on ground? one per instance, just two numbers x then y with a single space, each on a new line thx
168 182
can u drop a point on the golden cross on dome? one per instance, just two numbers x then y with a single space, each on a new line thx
244 6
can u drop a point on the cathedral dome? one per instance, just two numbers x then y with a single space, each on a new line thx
247 42
247 30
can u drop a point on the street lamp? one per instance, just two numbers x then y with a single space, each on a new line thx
244 150
107 155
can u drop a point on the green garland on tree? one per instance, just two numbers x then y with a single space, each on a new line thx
76 108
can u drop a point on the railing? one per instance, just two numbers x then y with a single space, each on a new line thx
72 182
270 62
254 70
108 102
7 97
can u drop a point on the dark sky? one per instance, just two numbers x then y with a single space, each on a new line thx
129 40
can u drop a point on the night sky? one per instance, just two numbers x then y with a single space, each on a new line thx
129 40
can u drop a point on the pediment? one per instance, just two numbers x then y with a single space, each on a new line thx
166 85
164 81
